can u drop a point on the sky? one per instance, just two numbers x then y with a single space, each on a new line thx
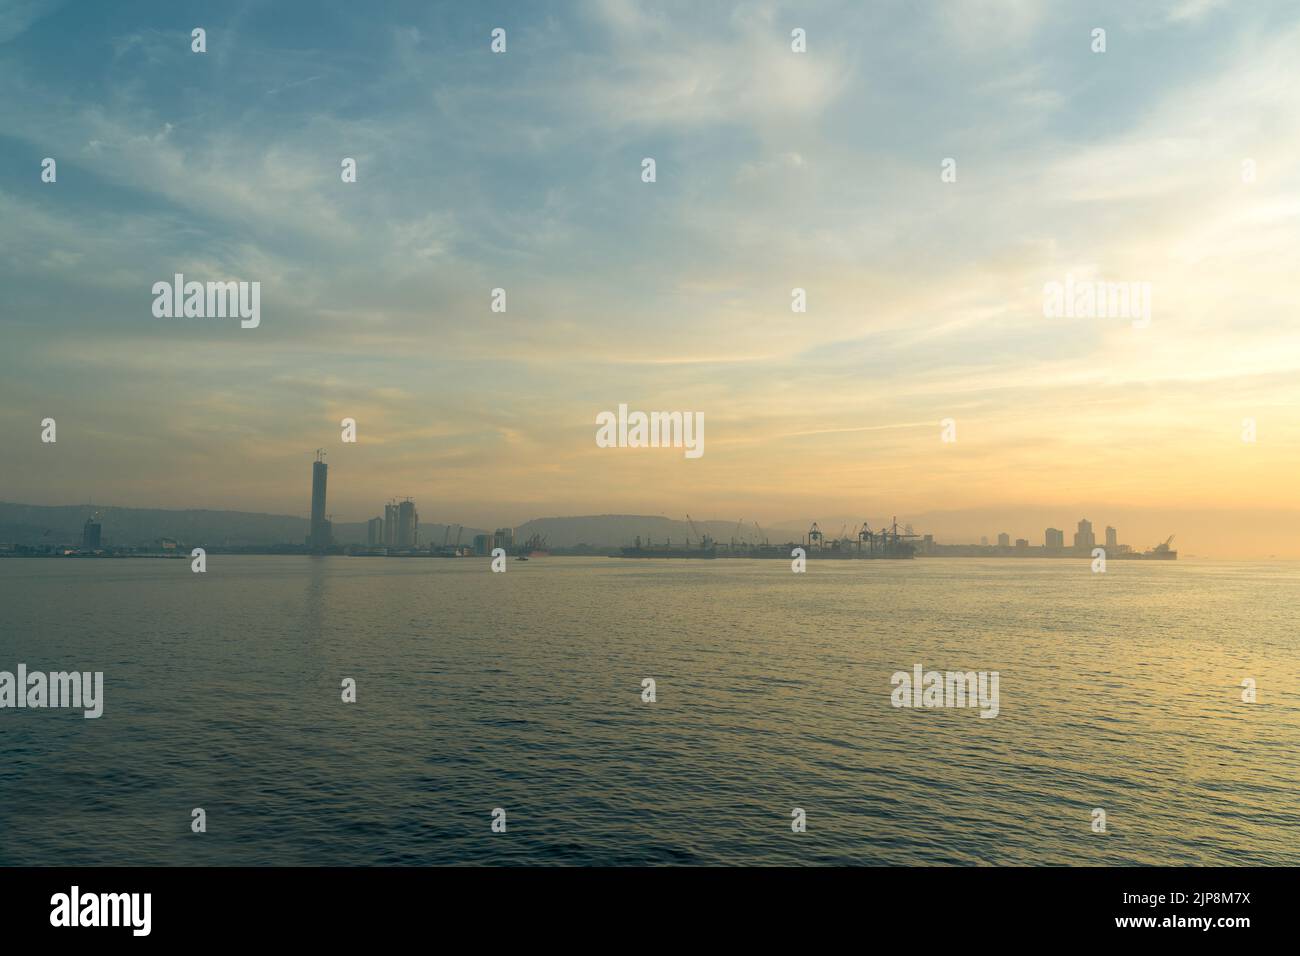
775 170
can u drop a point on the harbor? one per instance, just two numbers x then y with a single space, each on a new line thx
888 543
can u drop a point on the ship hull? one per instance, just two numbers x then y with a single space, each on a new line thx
667 553
901 552
827 555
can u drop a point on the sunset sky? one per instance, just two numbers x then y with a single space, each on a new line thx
775 170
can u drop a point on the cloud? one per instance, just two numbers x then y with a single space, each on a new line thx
777 170
17 16
1191 11
686 71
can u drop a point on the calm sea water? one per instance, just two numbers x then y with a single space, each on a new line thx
523 691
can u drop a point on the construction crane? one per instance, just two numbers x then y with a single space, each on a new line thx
762 538
815 536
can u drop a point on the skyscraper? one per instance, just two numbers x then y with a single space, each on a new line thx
390 525
318 538
1004 540
1084 539
375 533
504 538
1112 539
1055 538
90 535
407 523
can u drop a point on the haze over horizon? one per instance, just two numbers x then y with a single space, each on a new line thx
1137 529
774 171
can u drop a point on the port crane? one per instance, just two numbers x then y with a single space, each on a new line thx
866 534
893 537
889 538
693 530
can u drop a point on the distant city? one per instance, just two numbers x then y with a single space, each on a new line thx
397 533
1053 546
398 530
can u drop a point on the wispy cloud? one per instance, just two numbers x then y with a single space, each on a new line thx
776 170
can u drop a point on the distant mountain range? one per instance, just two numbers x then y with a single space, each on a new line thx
131 527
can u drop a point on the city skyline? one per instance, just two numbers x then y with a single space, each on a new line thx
397 528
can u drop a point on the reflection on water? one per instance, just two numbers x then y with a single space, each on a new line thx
522 690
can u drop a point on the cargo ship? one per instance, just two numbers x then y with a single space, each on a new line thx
707 550
889 543
1161 552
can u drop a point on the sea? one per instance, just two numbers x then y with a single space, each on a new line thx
506 718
